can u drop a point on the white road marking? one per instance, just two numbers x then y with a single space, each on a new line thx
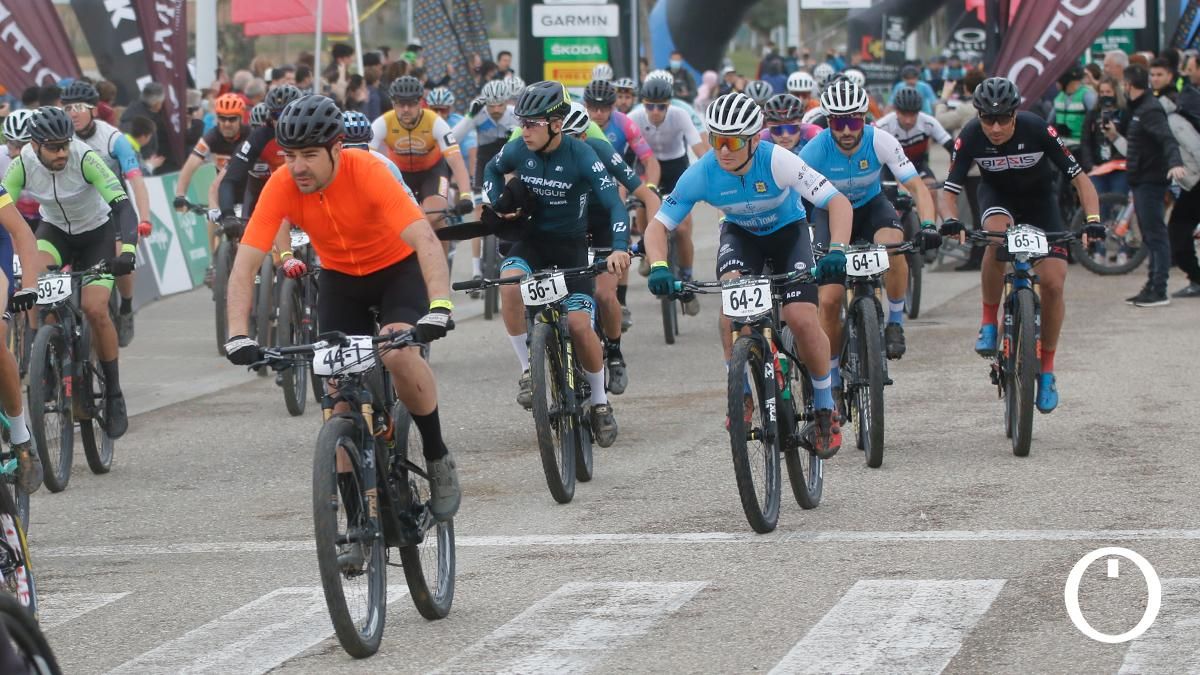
1172 644
251 639
55 609
572 629
893 627
654 539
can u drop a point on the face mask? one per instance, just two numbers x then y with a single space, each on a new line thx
676 65
1108 101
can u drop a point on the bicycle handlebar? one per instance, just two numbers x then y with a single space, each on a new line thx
587 270
985 235
777 280
273 356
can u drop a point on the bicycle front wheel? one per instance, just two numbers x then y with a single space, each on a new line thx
912 297
25 640
290 333
51 414
1022 372
222 264
868 398
14 556
350 550
428 565
555 426
670 320
753 436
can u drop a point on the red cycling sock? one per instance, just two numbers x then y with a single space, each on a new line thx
1047 360
989 314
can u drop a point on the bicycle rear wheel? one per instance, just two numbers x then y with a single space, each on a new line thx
584 456
24 641
222 264
355 594
916 273
806 471
1120 252
1023 369
555 428
428 565
51 414
290 333
15 566
754 441
867 364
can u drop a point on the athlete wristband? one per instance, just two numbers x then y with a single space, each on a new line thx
128 248
660 263
926 223
442 304
837 247
1092 219
652 186
283 255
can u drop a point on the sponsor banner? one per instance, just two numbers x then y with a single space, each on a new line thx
593 49
178 246
116 43
34 49
163 26
573 74
576 20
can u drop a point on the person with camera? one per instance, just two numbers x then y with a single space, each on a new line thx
1097 154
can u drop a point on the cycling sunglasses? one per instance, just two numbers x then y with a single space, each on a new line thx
656 106
996 120
57 146
533 122
734 143
229 118
851 123
77 107
781 129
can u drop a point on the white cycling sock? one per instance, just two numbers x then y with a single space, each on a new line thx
599 396
477 267
19 433
521 348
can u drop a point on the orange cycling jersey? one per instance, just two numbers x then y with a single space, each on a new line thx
416 149
354 223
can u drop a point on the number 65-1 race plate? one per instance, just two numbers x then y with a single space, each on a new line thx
1025 239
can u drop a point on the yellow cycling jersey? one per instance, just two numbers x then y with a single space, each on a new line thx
419 148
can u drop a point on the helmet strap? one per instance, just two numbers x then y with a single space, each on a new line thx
750 148
88 131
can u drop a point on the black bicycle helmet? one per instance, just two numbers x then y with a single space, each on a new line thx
656 90
908 99
783 107
80 92
544 99
1073 74
600 92
307 122
258 115
358 127
49 125
279 97
910 71
407 88
996 96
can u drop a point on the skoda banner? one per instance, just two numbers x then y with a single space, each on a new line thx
564 39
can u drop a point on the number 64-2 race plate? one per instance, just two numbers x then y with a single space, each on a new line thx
741 299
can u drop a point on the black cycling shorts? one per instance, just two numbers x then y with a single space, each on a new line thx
783 250
1039 210
80 251
672 169
538 252
599 222
877 214
432 183
344 301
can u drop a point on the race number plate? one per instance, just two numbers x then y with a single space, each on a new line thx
867 263
746 298
354 357
1025 239
299 238
536 292
16 268
53 288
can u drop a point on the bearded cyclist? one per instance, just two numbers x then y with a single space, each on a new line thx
755 185
1019 154
853 156
555 173
79 100
377 251
83 207
626 94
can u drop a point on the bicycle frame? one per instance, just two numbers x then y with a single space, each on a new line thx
70 320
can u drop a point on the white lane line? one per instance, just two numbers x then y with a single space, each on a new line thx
251 639
573 629
1172 644
659 539
912 627
55 609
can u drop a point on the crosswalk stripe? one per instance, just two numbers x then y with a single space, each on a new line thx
55 609
573 628
886 626
251 639
1172 643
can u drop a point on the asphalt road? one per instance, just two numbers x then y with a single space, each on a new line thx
195 553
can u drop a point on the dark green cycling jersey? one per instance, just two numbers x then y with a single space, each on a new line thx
616 165
561 180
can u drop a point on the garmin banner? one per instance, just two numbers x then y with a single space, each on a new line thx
1044 38
34 49
163 26
116 43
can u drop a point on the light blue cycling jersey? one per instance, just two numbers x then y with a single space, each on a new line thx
387 161
857 175
761 201
465 142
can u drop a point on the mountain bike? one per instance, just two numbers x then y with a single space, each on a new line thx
381 501
16 572
560 389
8 472
23 646
66 383
903 202
1122 249
296 324
1017 362
863 360
20 332
261 307
765 376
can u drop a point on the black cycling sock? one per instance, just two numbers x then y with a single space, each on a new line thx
433 447
126 305
111 379
622 289
613 346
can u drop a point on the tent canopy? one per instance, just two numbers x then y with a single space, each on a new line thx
288 17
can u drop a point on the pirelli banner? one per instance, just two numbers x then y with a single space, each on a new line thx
564 39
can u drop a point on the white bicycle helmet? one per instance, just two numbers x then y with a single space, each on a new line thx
577 120
844 98
760 91
439 97
495 92
734 114
602 71
801 82
856 76
16 126
660 74
822 72
515 86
